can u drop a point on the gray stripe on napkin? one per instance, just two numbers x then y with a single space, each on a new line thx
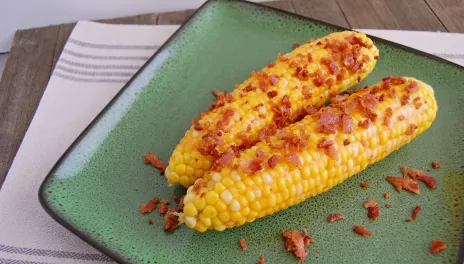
54 253
95 66
88 80
111 46
98 57
87 73
14 261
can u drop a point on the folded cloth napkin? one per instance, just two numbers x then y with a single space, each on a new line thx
96 62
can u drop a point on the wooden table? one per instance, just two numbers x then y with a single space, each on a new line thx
35 51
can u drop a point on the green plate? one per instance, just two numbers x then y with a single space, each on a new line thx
96 187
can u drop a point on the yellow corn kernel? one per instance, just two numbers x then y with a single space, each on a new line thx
200 203
209 211
190 209
211 197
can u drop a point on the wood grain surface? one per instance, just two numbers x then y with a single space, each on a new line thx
35 51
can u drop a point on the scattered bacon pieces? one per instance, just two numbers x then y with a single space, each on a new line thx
370 203
359 229
435 165
295 242
364 185
430 181
388 205
328 121
335 217
274 160
332 152
346 142
293 158
411 129
150 221
437 246
163 208
387 195
261 260
397 80
171 220
243 244
297 45
281 57
401 117
417 102
376 57
388 116
413 86
152 159
415 212
405 99
364 123
226 158
409 219
339 99
309 110
272 94
347 124
408 184
251 166
150 206
272 64
273 79
373 212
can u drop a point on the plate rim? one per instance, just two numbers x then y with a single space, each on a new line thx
105 250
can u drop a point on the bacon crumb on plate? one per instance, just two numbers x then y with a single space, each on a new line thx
163 208
295 242
415 212
150 206
152 159
430 181
370 203
171 220
373 212
437 246
387 195
150 221
388 205
364 185
243 244
401 183
361 230
335 217
261 260
435 165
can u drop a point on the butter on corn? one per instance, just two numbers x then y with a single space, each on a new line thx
313 155
277 95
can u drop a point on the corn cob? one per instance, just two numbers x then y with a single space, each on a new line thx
272 98
311 156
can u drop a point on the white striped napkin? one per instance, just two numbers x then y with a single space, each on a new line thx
96 62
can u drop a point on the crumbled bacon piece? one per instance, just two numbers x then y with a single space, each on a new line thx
435 165
332 152
388 117
341 75
387 195
150 206
251 166
282 57
263 85
174 198
296 45
274 160
272 64
293 158
368 103
405 99
364 123
409 219
150 221
408 184
249 88
307 92
328 121
419 175
364 185
324 143
273 79
152 159
347 124
272 94
163 208
401 117
319 79
415 212
171 221
339 99
411 129
373 212
397 80
437 246
226 158
413 86
376 57
370 203
196 125
388 205
417 102
309 110
335 217
295 242
361 230
282 113
346 142
381 98
261 260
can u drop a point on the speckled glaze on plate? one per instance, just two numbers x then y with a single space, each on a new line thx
96 187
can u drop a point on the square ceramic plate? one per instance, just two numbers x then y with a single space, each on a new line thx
96 187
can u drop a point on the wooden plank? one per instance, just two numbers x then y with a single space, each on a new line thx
174 18
24 80
450 13
63 35
324 10
286 5
390 14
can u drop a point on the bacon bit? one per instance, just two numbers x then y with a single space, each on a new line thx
251 166
370 203
353 69
293 158
341 75
368 103
387 195
274 160
373 212
359 229
324 143
152 159
310 40
163 208
281 57
411 129
198 184
346 142
388 117
376 57
335 217
273 79
415 212
405 99
243 244
307 92
229 97
401 117
150 221
437 246
226 158
149 207
295 242
339 99
263 85
397 80
413 86
309 110
435 165
332 152
409 219
261 260
249 88
417 102
196 125
364 123
388 205
272 94
347 124
328 121
174 198
171 221
408 184
359 79
297 45
272 64
319 79
419 175
354 40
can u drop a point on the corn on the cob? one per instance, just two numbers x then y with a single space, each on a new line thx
272 98
311 156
